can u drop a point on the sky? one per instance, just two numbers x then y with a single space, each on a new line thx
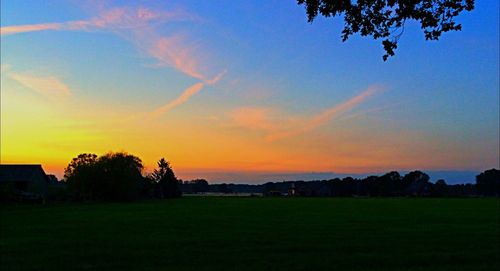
244 90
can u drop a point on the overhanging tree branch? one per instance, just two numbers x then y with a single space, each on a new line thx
380 18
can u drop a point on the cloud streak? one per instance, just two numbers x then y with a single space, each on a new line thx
172 52
9 30
110 19
325 116
138 26
186 94
277 128
254 118
48 86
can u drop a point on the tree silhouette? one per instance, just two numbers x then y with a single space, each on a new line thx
385 19
488 182
440 188
416 183
195 186
77 163
120 176
82 176
390 184
114 176
167 182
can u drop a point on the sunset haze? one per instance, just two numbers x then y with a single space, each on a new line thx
224 89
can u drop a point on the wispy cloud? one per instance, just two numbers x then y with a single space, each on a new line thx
138 25
49 86
173 52
216 78
277 127
325 116
255 118
186 94
9 30
110 19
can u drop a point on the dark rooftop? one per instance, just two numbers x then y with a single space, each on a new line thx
13 173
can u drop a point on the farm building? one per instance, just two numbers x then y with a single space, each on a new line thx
23 182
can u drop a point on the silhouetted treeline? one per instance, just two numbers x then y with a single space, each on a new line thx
392 184
118 177
195 186
488 182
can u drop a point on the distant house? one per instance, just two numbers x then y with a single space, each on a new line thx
23 181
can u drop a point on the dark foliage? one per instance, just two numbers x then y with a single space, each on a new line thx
392 184
81 175
114 176
385 19
167 185
488 182
440 188
117 176
195 186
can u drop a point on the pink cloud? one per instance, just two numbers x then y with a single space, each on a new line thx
138 26
9 30
278 126
216 78
186 94
49 86
256 118
324 116
173 52
114 18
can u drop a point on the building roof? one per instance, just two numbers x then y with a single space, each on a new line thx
17 173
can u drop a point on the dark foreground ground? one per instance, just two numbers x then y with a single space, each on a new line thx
254 234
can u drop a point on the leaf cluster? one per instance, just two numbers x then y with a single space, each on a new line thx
385 19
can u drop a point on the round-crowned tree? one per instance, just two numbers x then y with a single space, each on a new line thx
113 176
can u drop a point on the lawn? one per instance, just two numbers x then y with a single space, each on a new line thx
196 233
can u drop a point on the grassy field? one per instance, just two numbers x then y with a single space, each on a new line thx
195 233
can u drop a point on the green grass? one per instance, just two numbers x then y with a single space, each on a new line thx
254 234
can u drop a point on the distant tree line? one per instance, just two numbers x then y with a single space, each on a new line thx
119 177
392 184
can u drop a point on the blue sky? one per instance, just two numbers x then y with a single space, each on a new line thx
436 106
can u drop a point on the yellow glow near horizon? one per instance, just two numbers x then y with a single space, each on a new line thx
212 93
39 129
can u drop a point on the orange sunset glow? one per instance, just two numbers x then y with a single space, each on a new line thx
215 97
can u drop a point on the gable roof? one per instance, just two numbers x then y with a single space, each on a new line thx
16 173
